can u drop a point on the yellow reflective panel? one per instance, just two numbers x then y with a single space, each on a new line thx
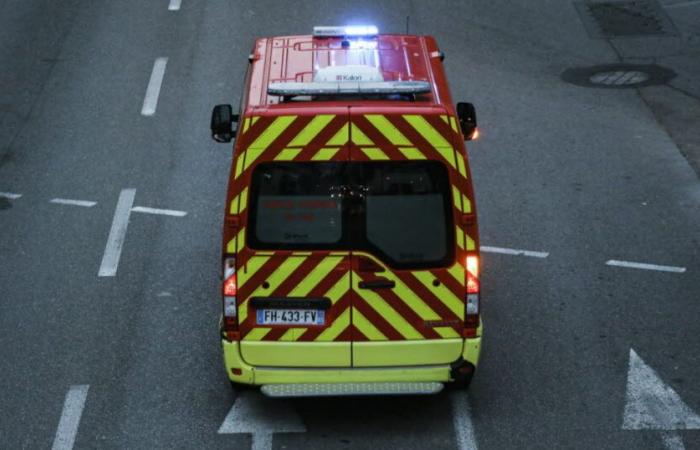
315 276
446 332
412 153
366 327
268 136
413 301
445 295
289 265
251 268
325 154
470 243
240 239
374 153
457 272
246 124
231 246
244 200
339 325
388 313
291 334
256 334
253 120
384 126
340 138
287 154
466 204
233 208
339 289
453 123
311 130
426 130
239 164
461 166
459 235
358 137
456 196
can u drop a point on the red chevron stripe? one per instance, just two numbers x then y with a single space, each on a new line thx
377 320
334 312
427 296
406 312
298 275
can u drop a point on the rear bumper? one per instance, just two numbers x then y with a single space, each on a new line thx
239 371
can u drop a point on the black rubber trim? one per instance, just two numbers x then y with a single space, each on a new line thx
377 284
290 303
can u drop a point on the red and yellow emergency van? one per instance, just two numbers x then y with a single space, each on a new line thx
350 242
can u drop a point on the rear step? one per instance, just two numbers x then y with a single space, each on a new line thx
338 389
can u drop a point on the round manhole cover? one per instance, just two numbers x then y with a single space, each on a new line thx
618 75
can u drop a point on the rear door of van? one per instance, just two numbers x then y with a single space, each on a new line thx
294 296
408 276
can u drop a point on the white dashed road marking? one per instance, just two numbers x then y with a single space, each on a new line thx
462 420
70 202
672 440
150 102
165 212
261 417
514 252
174 5
115 241
651 404
644 266
10 195
70 417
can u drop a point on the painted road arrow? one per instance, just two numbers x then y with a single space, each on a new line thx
653 405
261 417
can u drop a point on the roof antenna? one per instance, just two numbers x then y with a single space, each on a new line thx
408 21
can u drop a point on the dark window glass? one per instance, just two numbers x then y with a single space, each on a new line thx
399 211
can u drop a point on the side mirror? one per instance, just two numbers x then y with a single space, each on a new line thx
467 120
222 120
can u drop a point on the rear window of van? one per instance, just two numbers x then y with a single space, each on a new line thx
400 211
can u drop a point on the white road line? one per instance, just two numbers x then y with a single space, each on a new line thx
115 241
150 102
462 420
672 440
644 266
512 251
165 212
68 201
682 4
174 5
70 417
10 195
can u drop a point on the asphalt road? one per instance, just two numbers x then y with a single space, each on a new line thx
584 175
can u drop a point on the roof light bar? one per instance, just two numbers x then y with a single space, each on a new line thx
342 31
348 88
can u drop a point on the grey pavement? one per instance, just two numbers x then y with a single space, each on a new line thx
585 174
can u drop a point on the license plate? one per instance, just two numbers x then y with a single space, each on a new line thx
290 317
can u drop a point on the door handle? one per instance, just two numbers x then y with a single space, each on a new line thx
381 283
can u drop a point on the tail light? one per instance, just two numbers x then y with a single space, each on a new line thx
471 313
230 289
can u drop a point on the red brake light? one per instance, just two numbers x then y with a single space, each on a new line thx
473 265
230 286
472 307
230 289
472 274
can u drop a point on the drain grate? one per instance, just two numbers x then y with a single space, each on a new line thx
618 75
633 18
